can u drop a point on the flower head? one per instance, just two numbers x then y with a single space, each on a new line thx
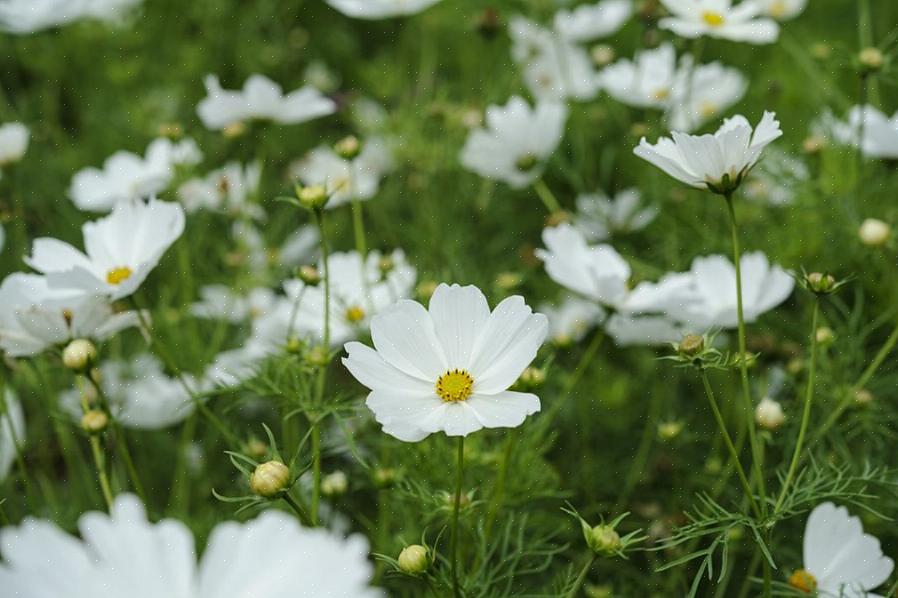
588 22
345 179
599 216
782 10
380 9
13 142
721 19
448 368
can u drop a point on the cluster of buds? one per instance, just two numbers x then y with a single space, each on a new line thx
821 284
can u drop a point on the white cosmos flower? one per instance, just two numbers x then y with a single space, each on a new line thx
880 133
703 94
629 330
126 176
13 142
122 249
12 431
345 180
260 99
230 189
719 18
646 82
599 216
380 9
588 22
448 369
572 319
516 141
35 316
554 68
123 554
783 10
220 302
839 558
30 16
775 180
717 162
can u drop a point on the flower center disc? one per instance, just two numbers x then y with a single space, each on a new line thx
714 19
455 386
803 581
117 275
355 314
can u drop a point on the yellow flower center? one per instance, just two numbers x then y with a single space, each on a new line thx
117 275
803 581
714 19
355 314
455 385
777 10
661 94
707 109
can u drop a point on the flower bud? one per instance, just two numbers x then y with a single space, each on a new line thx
309 275
813 144
270 479
508 281
527 162
334 484
870 59
234 130
862 396
384 477
79 355
825 336
602 54
874 232
425 289
313 197
820 283
317 356
669 430
386 265
769 414
94 421
414 559
532 377
256 448
604 540
691 345
348 147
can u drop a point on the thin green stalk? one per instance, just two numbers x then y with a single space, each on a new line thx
100 463
459 474
546 196
806 414
579 371
642 452
499 487
316 472
322 374
297 508
728 441
121 441
578 583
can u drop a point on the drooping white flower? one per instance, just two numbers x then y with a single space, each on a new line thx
219 301
448 369
878 134
260 99
599 216
230 189
35 316
516 141
12 431
783 10
703 93
121 249
126 176
572 319
13 142
588 22
720 18
839 558
717 162
646 82
358 178
123 554
30 16
554 68
380 9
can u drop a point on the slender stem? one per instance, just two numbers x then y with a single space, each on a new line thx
459 474
297 508
322 374
806 414
96 451
643 451
499 488
361 245
581 577
121 441
316 471
728 441
580 369
546 196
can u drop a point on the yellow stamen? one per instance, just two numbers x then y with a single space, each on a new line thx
777 10
803 581
355 314
708 109
455 385
714 19
117 275
661 94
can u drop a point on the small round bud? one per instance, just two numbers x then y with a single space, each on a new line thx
79 355
294 346
691 345
94 421
669 430
270 479
507 281
862 396
557 219
384 477
256 448
532 377
526 162
874 232
769 414
313 197
602 54
414 559
317 356
234 130
348 147
604 540
309 275
334 484
870 59
821 51
825 335
820 283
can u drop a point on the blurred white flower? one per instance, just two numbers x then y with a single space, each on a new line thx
358 178
769 414
588 22
12 431
35 316
516 142
554 67
123 554
122 249
572 319
630 330
776 178
13 142
220 302
879 132
646 82
839 558
703 93
260 99
448 369
874 232
717 162
783 10
2 237
720 18
230 189
126 176
380 9
599 216
299 248
30 16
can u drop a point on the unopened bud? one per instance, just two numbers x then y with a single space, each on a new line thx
234 130
309 275
871 59
813 144
874 232
414 559
317 356
602 54
313 197
94 421
691 345
256 448
426 288
862 396
825 335
532 377
79 355
384 477
669 430
604 540
820 283
334 484
507 281
348 147
769 414
526 162
270 479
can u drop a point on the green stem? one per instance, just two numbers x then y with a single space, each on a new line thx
642 452
546 196
120 439
806 414
297 508
499 488
316 471
322 374
578 583
459 474
579 371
